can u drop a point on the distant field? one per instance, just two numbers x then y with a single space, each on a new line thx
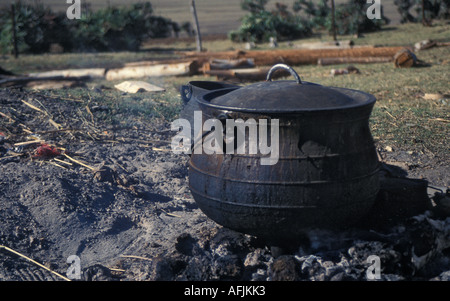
215 16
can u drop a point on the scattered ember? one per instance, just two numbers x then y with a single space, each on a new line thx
46 151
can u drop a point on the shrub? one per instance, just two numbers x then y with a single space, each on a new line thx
259 25
350 17
316 13
36 28
108 29
114 28
434 9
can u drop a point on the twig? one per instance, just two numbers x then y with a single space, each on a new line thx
46 111
6 116
78 162
137 257
33 107
28 142
56 164
35 262
56 125
12 156
57 131
68 163
160 149
170 214
392 116
117 270
90 113
440 119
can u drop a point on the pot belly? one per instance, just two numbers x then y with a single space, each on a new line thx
278 202
326 177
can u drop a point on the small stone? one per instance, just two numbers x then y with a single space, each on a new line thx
338 277
254 258
284 268
308 262
259 275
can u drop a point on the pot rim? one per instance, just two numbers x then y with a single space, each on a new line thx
205 101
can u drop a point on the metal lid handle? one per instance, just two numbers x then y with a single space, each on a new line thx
285 67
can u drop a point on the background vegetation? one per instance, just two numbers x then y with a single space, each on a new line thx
259 24
116 28
107 29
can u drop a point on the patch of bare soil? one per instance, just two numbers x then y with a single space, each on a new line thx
118 198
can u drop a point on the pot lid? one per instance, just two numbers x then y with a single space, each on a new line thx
286 96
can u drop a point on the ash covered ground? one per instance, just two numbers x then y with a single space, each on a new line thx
118 198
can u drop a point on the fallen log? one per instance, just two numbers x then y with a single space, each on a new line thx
155 62
293 56
89 72
222 64
405 59
243 75
427 44
353 60
178 69
226 64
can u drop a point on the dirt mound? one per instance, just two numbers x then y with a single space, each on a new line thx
118 198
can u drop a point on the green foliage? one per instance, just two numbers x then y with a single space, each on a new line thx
434 9
260 25
254 6
351 18
36 28
316 13
115 28
108 29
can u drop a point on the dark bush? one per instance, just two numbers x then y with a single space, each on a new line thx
259 25
434 9
108 29
114 28
350 17
36 28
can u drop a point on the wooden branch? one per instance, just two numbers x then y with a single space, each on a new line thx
294 56
353 60
253 74
24 80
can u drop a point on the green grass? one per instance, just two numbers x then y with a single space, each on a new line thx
402 118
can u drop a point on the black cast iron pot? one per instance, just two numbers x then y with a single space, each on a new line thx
326 174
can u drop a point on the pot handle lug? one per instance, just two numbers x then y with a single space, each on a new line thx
186 93
285 67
